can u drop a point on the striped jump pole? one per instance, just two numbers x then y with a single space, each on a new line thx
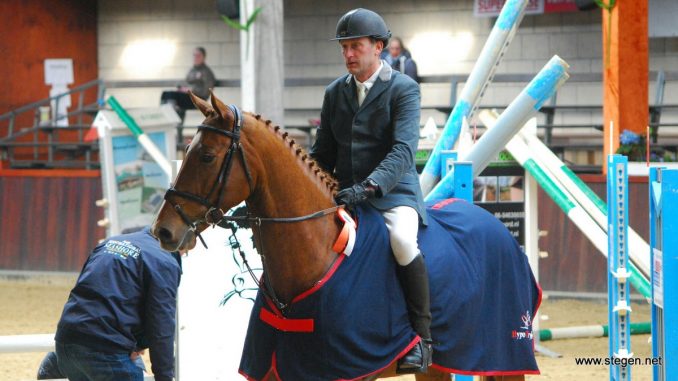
521 109
589 331
142 138
481 75
639 250
563 199
619 307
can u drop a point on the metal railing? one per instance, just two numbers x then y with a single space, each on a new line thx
53 144
82 114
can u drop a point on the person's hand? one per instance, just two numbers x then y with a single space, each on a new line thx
357 193
134 355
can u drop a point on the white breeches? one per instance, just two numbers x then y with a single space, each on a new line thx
402 223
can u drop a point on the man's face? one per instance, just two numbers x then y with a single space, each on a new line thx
198 57
361 56
394 48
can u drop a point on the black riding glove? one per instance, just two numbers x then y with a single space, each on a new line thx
357 193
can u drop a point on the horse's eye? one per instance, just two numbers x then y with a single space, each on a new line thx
206 158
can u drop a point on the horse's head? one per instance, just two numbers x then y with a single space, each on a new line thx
214 177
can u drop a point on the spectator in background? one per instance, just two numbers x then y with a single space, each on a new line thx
400 59
124 300
200 77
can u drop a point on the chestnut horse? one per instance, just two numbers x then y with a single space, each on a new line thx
258 162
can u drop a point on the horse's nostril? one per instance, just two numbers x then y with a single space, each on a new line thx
164 235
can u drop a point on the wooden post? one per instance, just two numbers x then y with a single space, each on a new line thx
262 59
625 71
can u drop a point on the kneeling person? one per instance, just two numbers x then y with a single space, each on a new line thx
125 292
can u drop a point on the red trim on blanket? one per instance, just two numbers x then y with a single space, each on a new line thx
485 373
274 368
322 281
284 324
445 202
401 354
498 372
247 377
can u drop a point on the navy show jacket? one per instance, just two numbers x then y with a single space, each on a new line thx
376 140
125 300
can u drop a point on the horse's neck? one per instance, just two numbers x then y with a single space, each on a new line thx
297 254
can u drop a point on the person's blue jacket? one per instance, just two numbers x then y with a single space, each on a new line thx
126 291
376 140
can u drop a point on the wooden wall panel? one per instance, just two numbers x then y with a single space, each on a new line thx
33 31
573 263
48 223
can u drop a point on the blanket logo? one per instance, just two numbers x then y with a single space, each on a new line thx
122 249
525 330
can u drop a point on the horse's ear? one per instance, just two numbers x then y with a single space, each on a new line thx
219 106
200 104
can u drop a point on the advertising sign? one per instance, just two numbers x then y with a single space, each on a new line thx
134 184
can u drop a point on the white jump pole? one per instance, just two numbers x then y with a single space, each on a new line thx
519 150
589 331
481 75
27 343
589 200
521 109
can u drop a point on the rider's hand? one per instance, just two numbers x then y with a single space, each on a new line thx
357 193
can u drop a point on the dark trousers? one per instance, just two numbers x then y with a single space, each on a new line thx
80 363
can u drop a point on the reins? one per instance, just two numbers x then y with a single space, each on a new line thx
266 289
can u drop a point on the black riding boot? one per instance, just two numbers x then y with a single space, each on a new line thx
414 281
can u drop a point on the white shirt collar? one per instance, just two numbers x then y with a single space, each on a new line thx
370 81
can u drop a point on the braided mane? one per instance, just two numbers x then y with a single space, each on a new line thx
312 169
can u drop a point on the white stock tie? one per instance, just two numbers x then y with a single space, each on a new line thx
362 91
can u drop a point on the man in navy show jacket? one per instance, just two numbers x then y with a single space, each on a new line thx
124 300
367 138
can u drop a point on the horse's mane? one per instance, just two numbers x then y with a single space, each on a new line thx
310 166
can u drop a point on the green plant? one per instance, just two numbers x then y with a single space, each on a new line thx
246 28
238 26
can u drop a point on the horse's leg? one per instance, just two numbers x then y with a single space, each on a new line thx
502 378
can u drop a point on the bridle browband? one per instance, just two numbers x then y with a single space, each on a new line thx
214 214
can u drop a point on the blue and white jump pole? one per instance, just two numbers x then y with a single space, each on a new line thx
521 109
619 307
664 245
142 138
498 41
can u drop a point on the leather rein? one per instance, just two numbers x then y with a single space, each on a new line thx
214 214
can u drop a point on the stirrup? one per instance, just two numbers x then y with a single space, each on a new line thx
425 358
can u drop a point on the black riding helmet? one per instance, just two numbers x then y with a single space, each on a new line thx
362 22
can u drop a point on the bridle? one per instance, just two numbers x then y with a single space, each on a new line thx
214 214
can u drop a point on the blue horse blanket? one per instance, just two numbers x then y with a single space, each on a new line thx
354 323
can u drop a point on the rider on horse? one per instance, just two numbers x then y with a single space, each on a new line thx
367 138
